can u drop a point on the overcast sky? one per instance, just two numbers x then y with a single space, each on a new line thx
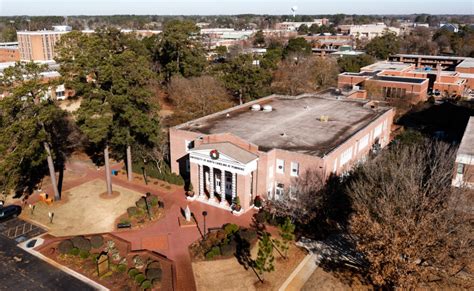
208 7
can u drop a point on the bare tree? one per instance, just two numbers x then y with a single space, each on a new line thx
302 200
408 220
196 97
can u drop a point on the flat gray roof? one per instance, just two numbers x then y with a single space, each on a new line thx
295 123
467 143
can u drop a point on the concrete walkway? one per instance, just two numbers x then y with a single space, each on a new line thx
301 274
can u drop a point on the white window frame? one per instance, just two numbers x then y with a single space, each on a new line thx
378 130
295 169
187 143
280 166
363 142
346 156
279 191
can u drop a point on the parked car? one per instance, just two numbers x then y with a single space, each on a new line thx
10 211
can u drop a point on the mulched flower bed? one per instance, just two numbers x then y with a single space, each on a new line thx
223 243
128 270
138 217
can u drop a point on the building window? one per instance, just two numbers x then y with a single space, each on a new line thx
363 142
346 156
279 190
294 169
280 164
378 130
460 169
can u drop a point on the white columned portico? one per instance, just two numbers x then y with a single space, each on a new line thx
211 184
201 181
234 186
223 201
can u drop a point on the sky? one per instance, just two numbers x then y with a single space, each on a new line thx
212 7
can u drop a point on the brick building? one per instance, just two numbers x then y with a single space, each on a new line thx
39 45
260 148
464 175
9 52
414 77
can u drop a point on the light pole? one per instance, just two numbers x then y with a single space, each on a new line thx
204 214
146 204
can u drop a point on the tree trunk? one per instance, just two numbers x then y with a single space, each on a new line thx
108 176
129 163
52 172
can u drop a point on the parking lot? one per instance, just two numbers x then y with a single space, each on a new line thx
25 271
19 230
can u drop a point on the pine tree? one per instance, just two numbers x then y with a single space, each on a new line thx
34 130
265 258
287 233
111 72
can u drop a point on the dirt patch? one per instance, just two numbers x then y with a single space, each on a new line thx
105 195
84 212
321 280
228 274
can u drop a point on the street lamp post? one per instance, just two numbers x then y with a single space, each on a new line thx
204 214
146 204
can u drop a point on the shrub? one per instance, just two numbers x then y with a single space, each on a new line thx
145 284
168 187
97 241
132 272
228 249
74 251
153 200
65 246
83 254
154 274
122 268
139 278
141 203
257 202
132 211
81 243
231 228
248 234
215 251
94 257
138 262
154 265
156 283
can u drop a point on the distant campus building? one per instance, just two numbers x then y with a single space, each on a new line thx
414 76
9 52
39 45
259 148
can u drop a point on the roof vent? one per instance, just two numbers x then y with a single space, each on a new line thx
267 108
283 134
256 107
324 118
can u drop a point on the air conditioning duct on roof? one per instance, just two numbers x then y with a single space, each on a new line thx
267 108
256 107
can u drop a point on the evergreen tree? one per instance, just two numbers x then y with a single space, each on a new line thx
180 50
111 72
245 79
383 46
34 131
287 233
297 46
265 258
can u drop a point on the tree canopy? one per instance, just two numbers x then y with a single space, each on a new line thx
31 124
383 46
180 50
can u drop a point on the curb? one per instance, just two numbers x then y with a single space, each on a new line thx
65 269
303 271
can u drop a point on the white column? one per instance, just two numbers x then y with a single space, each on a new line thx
211 183
223 201
201 181
234 186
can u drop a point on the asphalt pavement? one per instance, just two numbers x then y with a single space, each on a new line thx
20 270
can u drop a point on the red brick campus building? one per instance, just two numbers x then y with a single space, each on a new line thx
412 75
260 148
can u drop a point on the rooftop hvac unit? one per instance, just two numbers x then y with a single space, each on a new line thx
256 107
267 108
